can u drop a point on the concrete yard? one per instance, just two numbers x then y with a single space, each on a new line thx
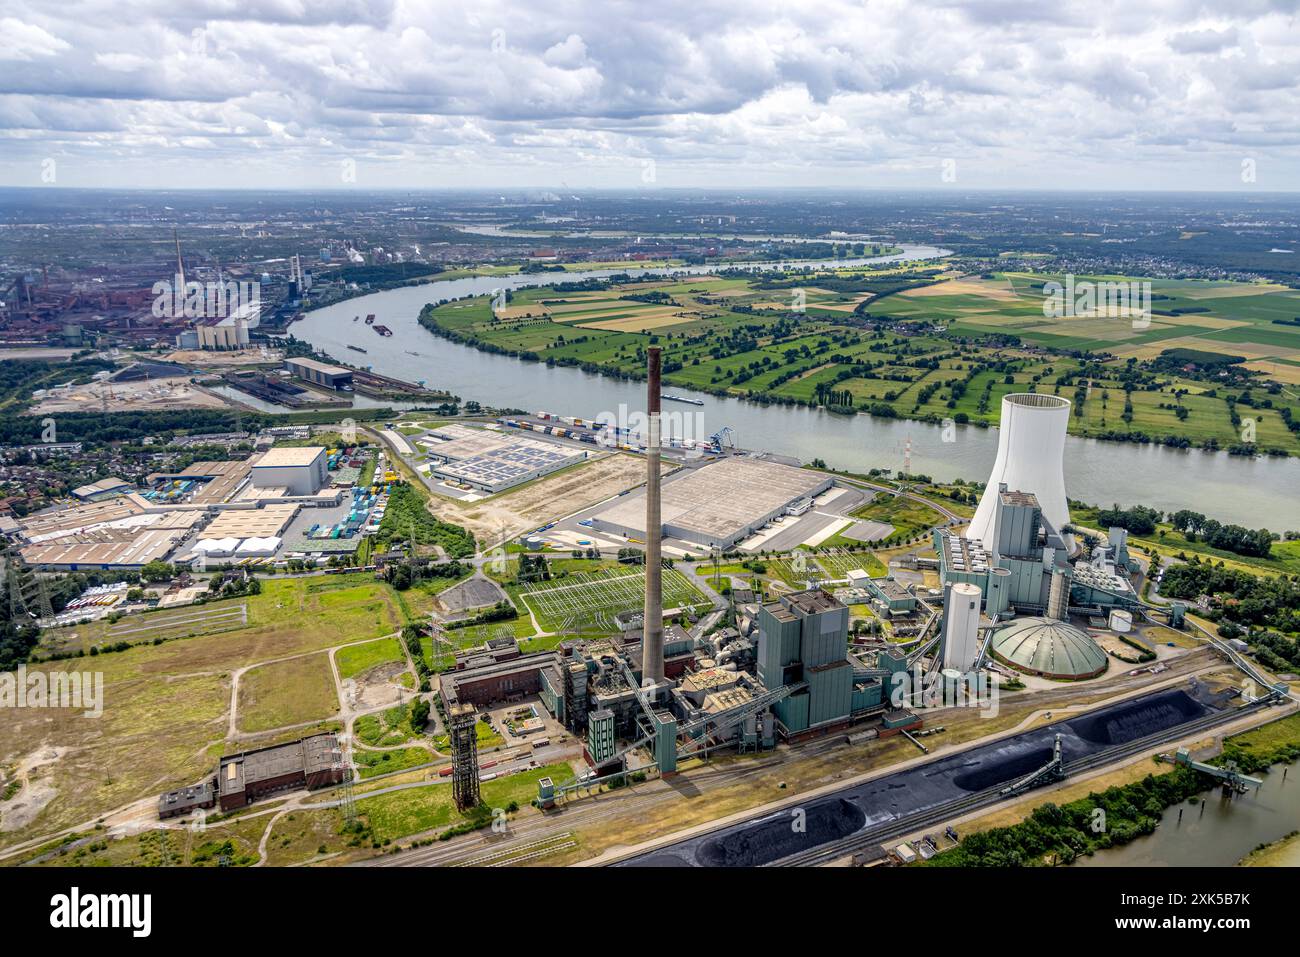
148 395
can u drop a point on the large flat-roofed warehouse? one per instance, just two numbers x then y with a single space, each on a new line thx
201 483
313 762
299 471
718 505
492 462
455 442
269 520
318 373
123 543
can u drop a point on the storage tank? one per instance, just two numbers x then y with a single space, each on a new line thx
1031 458
1121 621
953 682
961 620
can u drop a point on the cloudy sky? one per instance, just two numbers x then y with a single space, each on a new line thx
594 93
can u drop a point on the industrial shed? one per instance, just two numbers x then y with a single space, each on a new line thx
717 505
312 762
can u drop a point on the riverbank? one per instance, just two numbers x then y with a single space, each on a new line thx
800 340
1153 815
1102 472
1283 853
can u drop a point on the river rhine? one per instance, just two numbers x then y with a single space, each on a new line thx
1254 492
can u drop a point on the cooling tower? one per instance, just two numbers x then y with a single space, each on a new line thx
1031 458
652 644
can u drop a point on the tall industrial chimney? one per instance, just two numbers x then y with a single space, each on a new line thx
652 645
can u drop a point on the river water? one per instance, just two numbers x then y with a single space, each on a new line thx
1221 834
1253 492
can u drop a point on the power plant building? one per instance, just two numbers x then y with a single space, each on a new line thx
311 762
803 641
1014 565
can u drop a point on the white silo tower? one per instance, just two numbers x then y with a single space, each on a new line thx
961 622
1031 458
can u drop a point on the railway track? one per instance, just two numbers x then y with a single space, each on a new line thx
898 828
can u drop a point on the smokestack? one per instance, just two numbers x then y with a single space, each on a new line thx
652 645
180 263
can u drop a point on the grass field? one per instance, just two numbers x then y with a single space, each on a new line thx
384 729
402 813
372 763
909 517
166 706
287 692
357 659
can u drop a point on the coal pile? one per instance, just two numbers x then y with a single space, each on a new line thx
990 773
1138 719
776 837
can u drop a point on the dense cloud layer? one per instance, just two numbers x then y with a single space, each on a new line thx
879 93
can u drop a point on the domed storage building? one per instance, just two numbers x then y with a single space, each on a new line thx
1048 648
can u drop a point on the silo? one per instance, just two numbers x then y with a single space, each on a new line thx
961 621
1121 621
1031 458
998 599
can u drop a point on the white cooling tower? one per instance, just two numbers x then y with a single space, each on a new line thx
1031 458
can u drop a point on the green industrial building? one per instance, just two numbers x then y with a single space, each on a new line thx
803 643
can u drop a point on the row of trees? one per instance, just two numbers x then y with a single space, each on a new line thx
1230 538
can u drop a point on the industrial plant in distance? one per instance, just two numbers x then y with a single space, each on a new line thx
688 438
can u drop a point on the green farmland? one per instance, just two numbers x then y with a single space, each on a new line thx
930 347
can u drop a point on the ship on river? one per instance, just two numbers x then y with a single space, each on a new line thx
680 398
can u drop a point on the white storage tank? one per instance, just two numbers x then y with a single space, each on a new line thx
961 622
1121 621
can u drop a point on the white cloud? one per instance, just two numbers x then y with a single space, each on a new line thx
27 41
1021 93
